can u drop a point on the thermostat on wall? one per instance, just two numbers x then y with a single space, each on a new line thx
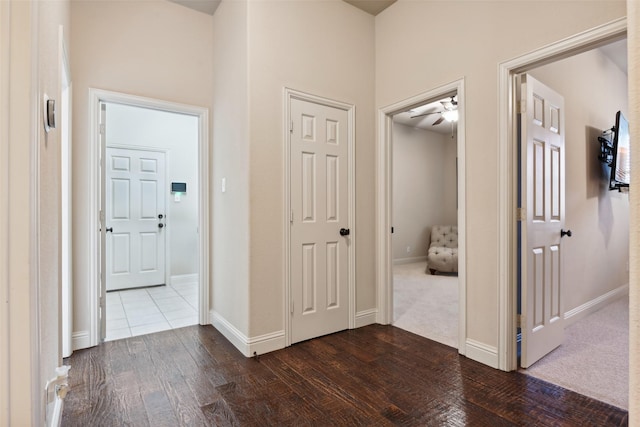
179 187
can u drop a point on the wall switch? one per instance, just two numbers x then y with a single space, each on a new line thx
224 185
408 249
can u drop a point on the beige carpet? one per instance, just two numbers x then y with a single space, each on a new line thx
594 358
424 304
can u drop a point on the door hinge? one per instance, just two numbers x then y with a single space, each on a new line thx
102 129
291 217
519 321
521 106
291 306
291 126
520 214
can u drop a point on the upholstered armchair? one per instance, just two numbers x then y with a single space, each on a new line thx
443 250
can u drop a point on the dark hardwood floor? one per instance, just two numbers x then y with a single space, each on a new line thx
372 376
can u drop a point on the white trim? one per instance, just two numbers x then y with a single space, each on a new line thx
366 317
384 175
507 243
66 192
179 279
401 261
589 307
80 339
95 97
290 94
35 141
248 346
480 352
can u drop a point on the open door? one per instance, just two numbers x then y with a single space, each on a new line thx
542 214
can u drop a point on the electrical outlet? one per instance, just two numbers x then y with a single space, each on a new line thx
408 249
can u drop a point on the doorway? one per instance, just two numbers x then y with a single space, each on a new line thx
176 134
599 36
595 254
425 291
385 224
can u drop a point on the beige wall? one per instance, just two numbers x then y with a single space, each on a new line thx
596 256
324 48
230 255
423 181
155 49
501 31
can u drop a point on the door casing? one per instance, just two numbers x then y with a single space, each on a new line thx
290 94
384 255
507 171
97 96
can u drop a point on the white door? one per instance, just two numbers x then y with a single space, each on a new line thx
319 203
543 202
135 220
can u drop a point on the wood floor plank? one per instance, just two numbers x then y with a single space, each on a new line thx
371 376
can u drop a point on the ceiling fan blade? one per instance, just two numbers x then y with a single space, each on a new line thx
425 114
437 122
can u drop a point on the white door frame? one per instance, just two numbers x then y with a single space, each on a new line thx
507 190
384 176
290 94
96 96
66 180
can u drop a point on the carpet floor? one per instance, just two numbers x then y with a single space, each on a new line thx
593 360
424 304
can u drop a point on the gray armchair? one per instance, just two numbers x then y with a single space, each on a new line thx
443 250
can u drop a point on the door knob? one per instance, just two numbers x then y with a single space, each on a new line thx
107 230
160 225
344 231
565 233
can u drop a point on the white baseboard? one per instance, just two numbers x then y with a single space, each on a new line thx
247 346
180 279
80 340
400 261
482 353
594 305
366 317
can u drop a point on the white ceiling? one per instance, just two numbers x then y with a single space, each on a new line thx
373 7
426 122
206 6
209 7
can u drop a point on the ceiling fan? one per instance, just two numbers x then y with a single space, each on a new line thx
449 111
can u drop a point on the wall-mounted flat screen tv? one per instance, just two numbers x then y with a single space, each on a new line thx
621 162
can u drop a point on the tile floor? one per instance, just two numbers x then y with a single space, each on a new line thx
147 310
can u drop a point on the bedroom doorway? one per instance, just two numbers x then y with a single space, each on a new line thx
422 152
424 211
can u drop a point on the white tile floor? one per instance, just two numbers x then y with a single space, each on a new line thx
144 311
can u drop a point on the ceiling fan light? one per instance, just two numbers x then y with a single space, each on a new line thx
450 115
